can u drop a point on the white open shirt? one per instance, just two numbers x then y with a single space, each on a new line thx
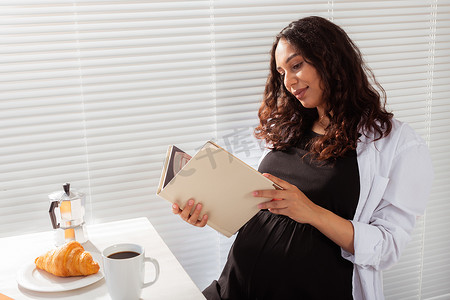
396 176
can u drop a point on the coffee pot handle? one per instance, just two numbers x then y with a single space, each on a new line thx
51 211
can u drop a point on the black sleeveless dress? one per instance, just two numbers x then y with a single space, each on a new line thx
275 257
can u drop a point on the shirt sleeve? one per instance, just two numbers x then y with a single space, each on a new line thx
379 243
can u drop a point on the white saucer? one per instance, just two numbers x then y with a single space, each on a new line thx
38 280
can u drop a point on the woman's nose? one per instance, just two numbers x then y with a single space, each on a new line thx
289 80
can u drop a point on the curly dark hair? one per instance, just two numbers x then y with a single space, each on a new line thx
353 104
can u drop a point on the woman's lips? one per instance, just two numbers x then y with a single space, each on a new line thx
299 94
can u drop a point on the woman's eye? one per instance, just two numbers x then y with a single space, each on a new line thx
297 66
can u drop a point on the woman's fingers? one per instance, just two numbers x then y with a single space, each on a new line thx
176 209
203 221
186 215
193 218
270 205
186 211
273 194
278 181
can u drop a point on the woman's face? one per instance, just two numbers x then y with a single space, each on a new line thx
300 78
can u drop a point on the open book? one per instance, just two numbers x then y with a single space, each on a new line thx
217 179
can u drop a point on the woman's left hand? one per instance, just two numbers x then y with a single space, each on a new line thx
289 201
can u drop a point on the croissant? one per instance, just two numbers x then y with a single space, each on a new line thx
67 260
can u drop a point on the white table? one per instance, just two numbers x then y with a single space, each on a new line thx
173 283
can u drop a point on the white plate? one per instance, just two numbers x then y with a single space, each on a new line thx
38 280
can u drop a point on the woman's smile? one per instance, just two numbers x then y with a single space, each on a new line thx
300 93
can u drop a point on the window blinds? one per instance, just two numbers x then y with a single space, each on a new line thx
394 37
92 92
436 242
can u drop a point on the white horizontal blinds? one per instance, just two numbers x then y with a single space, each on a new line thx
244 32
41 122
92 92
436 274
147 83
394 37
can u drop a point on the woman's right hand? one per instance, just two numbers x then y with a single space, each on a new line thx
186 216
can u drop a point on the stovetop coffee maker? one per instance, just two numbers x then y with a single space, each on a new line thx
67 215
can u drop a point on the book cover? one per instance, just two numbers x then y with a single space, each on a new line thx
220 181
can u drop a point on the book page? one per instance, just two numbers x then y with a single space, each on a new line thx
178 158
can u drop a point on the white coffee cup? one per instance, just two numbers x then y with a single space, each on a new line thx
124 268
